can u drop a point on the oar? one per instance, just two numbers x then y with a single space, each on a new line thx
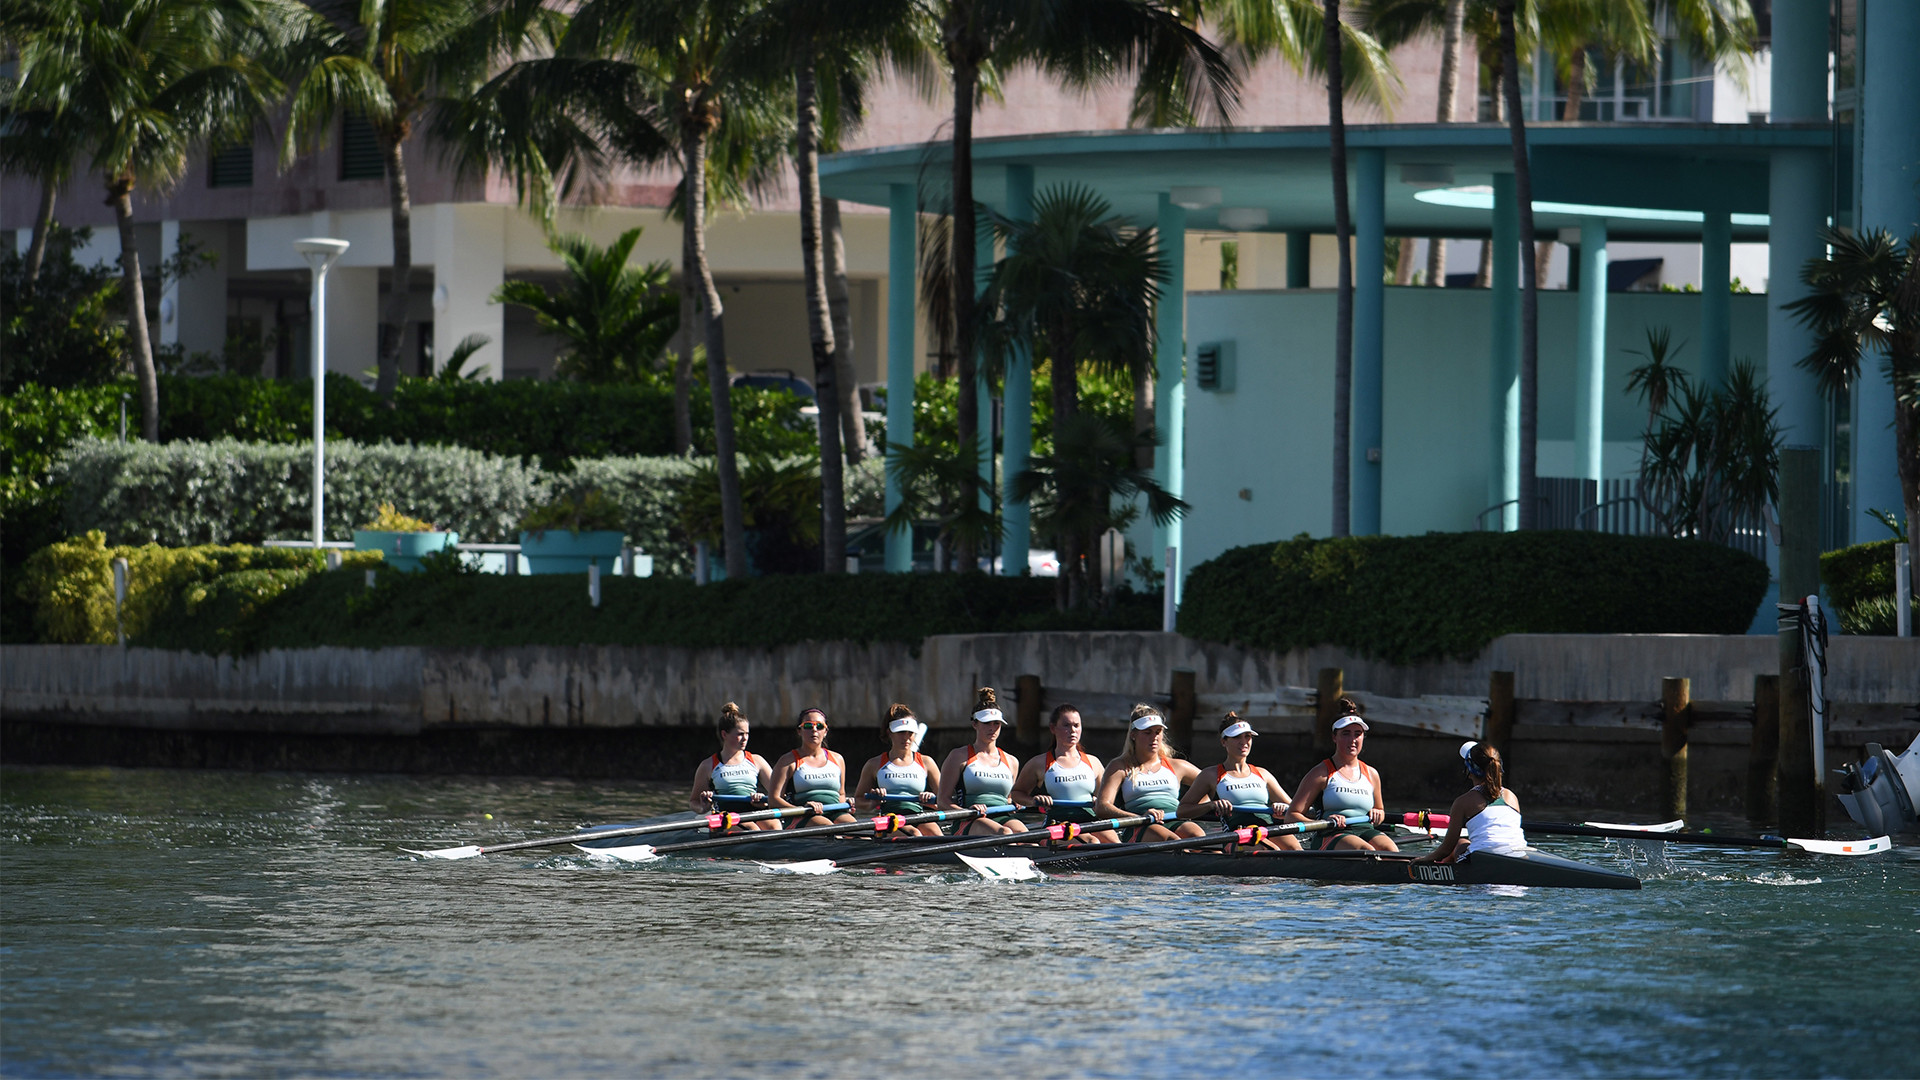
1063 830
883 824
713 821
1017 868
1778 843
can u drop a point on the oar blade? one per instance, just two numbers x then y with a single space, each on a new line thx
1843 847
1009 868
465 851
815 867
634 853
1664 826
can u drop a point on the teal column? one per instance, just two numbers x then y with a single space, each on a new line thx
1503 474
902 223
1590 357
1169 391
1369 340
1716 309
982 389
1299 258
1016 447
1797 202
1889 135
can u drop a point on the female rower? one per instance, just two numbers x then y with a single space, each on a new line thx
1345 785
1064 774
1237 792
1146 779
818 775
733 779
903 772
1489 812
980 774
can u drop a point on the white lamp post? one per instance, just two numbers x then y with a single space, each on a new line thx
320 253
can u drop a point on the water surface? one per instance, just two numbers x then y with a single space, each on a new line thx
226 924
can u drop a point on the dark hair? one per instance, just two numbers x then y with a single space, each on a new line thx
1061 710
1346 706
1486 763
1229 720
985 698
895 711
802 718
730 715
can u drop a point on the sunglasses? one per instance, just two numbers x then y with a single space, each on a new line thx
812 725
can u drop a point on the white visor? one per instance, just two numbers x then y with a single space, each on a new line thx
1151 720
905 723
1466 750
1349 721
1238 728
989 716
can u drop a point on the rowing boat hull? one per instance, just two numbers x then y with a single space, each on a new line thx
1531 868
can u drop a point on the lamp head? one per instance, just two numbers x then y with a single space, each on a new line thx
320 251
1243 218
1194 198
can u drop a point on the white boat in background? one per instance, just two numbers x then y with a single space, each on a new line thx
1879 792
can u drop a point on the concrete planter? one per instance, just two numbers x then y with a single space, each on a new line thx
557 551
403 550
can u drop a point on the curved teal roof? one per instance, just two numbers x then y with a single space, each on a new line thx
1653 166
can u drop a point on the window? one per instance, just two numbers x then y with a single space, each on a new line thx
360 155
231 166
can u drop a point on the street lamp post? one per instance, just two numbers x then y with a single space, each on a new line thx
320 252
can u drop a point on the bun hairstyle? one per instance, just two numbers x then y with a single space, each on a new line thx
984 698
730 717
1229 720
1485 764
1129 756
1347 707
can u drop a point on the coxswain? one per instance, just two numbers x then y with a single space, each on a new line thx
980 775
816 775
733 779
1347 786
1066 774
1489 813
1236 791
1145 780
903 772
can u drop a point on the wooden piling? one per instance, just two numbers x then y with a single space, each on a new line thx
1675 711
1795 799
1185 703
1326 706
1500 711
1764 749
1027 695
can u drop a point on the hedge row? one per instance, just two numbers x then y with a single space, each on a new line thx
1448 595
1859 581
238 599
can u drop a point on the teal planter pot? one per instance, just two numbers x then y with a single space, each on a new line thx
403 550
557 551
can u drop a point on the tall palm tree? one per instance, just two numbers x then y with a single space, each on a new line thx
615 318
40 144
1529 286
383 62
1082 43
144 84
1865 294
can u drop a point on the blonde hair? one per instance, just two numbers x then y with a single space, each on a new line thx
1130 754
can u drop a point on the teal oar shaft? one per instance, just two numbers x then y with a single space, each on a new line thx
1560 828
641 830
883 824
1051 832
1231 836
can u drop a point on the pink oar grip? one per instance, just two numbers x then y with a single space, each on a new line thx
1420 819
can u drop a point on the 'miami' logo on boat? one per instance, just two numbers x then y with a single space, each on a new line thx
1430 872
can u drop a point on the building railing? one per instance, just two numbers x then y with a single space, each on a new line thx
1614 506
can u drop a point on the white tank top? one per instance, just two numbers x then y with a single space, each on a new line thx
1070 781
1249 791
1158 789
1347 793
1495 829
738 780
818 783
908 778
988 780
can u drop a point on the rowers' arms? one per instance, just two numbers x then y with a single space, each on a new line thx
1276 794
869 778
783 772
1199 799
1311 787
933 781
948 778
700 799
1107 802
1024 785
1462 807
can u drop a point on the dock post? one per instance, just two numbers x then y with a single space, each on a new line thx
1333 682
1026 700
1796 799
1764 750
1500 711
1184 705
1675 711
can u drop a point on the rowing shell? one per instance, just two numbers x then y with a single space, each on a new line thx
1530 868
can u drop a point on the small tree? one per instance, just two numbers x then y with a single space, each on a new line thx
1711 457
616 319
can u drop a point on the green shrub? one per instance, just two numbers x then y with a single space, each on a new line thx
1859 581
586 510
477 610
1405 599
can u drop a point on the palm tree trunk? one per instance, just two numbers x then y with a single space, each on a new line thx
806 162
1065 389
1529 289
1576 86
1343 308
732 512
120 197
853 430
1906 443
683 364
1143 411
401 291
42 224
1483 274
965 80
1447 109
1403 262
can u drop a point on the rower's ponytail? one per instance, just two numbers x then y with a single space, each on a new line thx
1346 706
1486 761
984 698
730 716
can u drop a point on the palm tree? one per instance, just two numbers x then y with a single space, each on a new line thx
1865 295
38 143
1093 466
1081 43
615 318
143 84
382 63
1529 286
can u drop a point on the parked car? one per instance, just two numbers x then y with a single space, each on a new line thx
777 379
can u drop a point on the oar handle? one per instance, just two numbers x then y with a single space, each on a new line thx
724 820
1061 830
1250 835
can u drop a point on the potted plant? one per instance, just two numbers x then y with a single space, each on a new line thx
403 541
571 533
